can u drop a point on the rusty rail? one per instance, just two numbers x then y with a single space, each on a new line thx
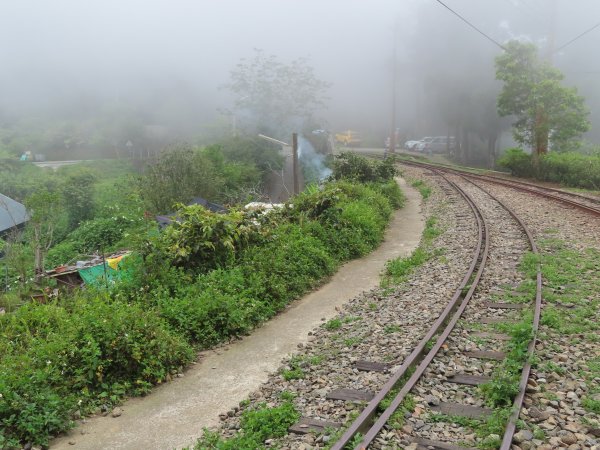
478 259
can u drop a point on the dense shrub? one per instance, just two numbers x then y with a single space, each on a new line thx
517 161
92 236
203 240
350 166
56 359
569 168
236 270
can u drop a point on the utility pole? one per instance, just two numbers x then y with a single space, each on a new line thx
394 76
295 163
552 31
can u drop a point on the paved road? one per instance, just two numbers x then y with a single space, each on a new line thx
56 164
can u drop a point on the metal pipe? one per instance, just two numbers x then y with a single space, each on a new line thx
273 140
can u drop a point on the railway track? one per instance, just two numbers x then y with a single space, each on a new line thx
572 199
459 352
440 356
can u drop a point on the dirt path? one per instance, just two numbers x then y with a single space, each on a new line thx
173 415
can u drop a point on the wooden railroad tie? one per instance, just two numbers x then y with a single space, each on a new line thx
458 409
484 354
370 366
504 305
307 425
436 445
352 395
495 336
491 320
471 380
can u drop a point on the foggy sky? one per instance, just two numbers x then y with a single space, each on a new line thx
56 53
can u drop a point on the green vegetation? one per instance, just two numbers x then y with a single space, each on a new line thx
257 425
489 431
59 358
501 390
568 168
229 172
547 113
393 328
397 270
205 279
333 324
297 363
422 187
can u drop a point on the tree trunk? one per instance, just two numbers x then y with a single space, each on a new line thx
492 138
541 135
38 255
465 146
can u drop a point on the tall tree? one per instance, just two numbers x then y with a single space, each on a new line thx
78 193
44 210
181 173
547 113
276 94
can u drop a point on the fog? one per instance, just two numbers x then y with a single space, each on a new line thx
164 64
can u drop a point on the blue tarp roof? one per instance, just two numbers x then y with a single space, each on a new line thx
12 213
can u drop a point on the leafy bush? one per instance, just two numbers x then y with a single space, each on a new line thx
204 240
571 169
56 359
237 270
568 168
257 425
350 166
517 161
92 236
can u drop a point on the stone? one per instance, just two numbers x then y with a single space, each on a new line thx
432 400
522 436
117 412
568 438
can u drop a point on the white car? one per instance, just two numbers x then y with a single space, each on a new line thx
422 144
410 145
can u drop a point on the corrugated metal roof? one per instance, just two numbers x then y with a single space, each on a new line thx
12 213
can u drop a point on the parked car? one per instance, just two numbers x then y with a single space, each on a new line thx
440 144
410 145
421 146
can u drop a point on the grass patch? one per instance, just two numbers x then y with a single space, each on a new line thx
256 426
489 431
423 188
397 270
389 329
333 324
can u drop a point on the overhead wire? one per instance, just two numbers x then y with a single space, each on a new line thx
471 25
577 37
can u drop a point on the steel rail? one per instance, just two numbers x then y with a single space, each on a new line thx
518 185
518 401
545 188
441 339
539 190
479 258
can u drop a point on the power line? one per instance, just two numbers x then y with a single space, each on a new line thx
471 25
577 37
